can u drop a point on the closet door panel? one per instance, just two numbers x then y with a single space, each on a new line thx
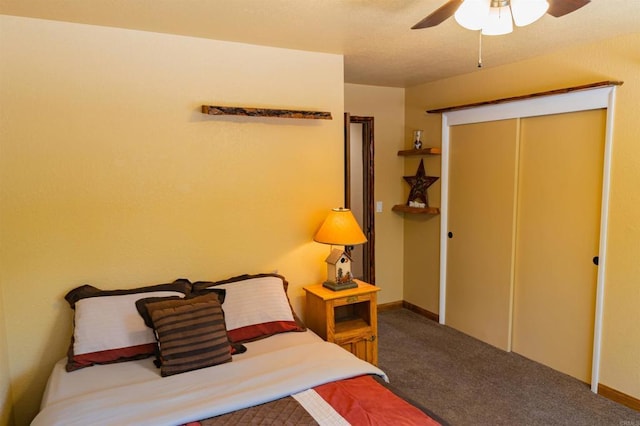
482 179
559 199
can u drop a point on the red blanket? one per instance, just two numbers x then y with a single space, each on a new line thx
363 401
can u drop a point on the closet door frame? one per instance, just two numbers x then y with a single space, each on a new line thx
581 100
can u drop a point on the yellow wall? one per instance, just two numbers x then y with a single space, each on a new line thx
110 174
422 232
386 105
5 390
613 59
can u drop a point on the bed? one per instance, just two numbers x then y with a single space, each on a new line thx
257 363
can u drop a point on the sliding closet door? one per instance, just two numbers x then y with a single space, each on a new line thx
482 179
559 199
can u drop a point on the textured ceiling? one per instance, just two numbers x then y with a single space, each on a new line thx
373 35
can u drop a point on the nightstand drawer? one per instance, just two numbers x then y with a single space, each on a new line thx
349 300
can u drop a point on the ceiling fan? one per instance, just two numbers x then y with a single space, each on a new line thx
556 8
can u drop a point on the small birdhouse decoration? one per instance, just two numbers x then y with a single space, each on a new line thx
339 271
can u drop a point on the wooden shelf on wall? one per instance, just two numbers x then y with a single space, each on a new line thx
529 96
403 208
264 112
423 151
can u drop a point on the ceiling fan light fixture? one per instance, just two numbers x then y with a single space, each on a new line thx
498 22
472 14
526 12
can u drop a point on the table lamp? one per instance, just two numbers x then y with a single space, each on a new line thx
340 228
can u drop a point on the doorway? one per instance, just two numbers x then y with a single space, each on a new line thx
358 190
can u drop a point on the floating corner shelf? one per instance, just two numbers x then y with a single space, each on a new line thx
403 208
423 151
264 112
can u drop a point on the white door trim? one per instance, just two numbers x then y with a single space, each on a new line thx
583 100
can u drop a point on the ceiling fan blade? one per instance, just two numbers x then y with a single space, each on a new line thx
439 15
560 8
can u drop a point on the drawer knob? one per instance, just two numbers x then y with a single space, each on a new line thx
352 299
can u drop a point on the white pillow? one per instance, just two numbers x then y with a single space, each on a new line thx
255 301
255 306
108 327
111 322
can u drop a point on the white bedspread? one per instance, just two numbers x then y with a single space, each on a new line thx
211 391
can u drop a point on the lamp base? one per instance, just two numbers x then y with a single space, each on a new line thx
340 286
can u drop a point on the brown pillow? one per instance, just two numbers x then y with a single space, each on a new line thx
191 333
141 304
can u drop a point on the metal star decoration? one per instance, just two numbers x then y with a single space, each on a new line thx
419 184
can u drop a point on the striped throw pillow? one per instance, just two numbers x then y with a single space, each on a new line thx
191 334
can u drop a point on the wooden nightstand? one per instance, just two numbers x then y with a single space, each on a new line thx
347 318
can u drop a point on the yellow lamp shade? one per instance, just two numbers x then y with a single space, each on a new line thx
340 228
